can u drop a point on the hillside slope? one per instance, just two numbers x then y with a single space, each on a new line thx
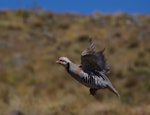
31 82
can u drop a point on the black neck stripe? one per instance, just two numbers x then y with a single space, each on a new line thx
68 67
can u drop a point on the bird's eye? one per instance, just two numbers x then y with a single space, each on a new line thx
62 60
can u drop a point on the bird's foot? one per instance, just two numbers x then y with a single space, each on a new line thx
93 91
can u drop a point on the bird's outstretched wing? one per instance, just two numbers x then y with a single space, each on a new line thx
92 61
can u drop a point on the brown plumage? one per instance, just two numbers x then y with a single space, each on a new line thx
92 60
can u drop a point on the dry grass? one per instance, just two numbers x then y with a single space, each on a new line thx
32 83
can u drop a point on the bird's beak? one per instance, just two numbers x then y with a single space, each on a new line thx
57 61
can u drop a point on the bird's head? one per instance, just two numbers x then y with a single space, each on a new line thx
63 61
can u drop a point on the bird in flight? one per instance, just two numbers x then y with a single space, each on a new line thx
91 72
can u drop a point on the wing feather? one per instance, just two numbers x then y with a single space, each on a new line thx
93 61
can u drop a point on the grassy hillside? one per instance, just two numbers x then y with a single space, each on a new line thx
31 82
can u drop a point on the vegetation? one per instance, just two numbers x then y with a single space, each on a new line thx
31 82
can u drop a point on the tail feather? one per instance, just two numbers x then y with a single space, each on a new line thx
112 89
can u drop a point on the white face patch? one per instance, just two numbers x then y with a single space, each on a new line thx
64 59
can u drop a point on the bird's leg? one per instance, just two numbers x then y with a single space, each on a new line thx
93 91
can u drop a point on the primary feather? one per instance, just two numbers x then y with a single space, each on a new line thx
92 60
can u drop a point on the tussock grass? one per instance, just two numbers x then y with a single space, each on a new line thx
31 82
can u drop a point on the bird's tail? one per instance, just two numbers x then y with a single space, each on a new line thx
112 89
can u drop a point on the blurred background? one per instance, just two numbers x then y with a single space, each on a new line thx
35 33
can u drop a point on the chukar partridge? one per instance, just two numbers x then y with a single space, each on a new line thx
91 72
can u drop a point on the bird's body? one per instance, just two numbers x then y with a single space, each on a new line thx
91 72
89 80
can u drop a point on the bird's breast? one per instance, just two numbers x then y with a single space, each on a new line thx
84 78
